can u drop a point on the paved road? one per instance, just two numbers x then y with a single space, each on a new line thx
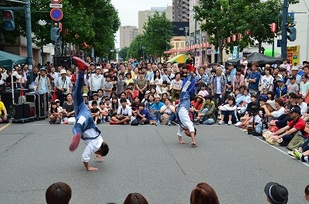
145 159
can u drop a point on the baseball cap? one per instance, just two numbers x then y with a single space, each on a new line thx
85 95
276 193
57 100
295 109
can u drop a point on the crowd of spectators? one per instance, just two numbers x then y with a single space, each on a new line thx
255 97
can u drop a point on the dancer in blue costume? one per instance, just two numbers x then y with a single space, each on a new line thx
184 123
85 127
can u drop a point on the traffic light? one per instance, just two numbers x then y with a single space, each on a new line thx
292 33
8 20
55 34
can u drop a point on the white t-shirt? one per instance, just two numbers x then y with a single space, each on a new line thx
267 81
278 113
124 111
257 119
176 84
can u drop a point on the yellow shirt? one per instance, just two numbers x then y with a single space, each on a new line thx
2 107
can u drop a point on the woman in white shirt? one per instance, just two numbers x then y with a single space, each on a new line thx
267 81
176 86
157 81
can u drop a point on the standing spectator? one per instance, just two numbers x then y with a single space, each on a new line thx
267 81
281 89
304 85
128 79
253 78
58 193
141 85
218 87
203 194
238 80
95 80
230 74
63 86
108 86
53 73
157 81
292 86
276 193
121 85
201 78
43 82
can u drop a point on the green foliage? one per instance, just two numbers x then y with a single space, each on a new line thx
223 18
94 22
137 47
158 32
123 53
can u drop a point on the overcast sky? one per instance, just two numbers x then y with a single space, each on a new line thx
128 10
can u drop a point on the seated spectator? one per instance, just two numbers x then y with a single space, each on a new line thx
284 135
254 125
281 89
164 87
124 113
302 104
203 92
103 112
55 115
68 107
197 104
95 112
167 112
208 113
135 198
113 107
175 86
94 98
292 85
276 193
141 115
282 120
58 193
156 106
248 101
228 112
203 193
3 113
279 109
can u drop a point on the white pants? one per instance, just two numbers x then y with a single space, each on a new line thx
184 118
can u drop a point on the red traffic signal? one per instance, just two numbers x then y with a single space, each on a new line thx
8 20
273 27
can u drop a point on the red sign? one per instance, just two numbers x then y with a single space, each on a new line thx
56 1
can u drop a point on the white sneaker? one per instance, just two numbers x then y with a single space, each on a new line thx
238 123
221 122
229 123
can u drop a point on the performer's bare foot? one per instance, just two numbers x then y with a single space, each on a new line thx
193 144
182 142
92 169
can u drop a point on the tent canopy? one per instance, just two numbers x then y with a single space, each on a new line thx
7 60
262 59
257 57
179 59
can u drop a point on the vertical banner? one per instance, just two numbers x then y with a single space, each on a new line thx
235 52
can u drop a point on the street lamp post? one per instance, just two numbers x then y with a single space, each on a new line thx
42 23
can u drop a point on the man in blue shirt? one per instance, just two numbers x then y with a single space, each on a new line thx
253 79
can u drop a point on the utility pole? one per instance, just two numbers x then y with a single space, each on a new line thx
285 10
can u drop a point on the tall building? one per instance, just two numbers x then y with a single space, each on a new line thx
127 34
143 16
181 10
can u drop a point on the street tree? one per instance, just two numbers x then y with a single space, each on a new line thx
136 47
158 32
123 53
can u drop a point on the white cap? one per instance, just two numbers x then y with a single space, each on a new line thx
63 71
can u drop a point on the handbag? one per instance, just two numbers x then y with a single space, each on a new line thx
296 142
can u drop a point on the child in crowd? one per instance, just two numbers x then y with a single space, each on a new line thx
103 112
228 112
95 112
203 92
54 114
